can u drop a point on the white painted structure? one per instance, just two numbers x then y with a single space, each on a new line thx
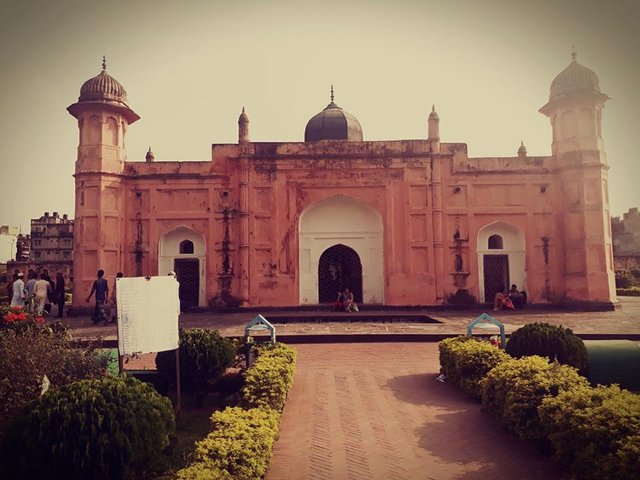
513 245
169 250
347 221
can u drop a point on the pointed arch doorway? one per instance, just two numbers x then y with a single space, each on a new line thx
356 229
339 268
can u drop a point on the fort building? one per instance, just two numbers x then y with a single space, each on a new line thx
403 222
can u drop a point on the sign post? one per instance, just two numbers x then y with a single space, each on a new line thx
148 310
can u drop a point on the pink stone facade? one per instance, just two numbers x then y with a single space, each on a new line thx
407 222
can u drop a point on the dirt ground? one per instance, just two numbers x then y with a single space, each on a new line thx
376 411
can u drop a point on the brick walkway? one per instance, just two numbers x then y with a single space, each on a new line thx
376 411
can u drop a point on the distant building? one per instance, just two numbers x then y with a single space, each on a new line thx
52 238
626 241
23 247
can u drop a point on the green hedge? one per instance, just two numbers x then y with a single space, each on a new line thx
595 432
628 292
239 447
515 388
465 361
270 378
115 427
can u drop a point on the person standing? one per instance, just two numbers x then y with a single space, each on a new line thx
18 296
101 288
45 276
41 293
58 295
114 300
29 287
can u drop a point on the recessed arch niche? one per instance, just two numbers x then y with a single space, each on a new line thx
341 220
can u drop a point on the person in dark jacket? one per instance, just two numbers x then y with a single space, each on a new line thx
58 294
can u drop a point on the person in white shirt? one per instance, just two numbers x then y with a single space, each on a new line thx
42 291
17 300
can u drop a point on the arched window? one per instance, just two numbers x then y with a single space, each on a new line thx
495 242
186 246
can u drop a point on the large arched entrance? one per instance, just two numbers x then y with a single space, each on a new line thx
183 251
339 268
501 259
337 226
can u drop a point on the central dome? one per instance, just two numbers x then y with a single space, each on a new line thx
333 123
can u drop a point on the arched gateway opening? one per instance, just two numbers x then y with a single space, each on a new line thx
340 246
339 268
501 259
183 251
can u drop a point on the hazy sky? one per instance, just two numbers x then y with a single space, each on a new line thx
190 66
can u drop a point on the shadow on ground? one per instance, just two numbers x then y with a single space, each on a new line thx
458 432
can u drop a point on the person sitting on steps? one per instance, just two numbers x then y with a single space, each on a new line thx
349 303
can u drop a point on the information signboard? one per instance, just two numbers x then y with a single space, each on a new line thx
148 309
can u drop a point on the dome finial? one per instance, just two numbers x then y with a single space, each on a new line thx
574 54
332 92
104 63
149 157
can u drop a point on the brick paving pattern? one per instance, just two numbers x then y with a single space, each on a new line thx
376 411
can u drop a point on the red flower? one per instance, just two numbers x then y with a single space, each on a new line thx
40 320
21 316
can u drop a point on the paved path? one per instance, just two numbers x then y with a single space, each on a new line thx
376 411
625 320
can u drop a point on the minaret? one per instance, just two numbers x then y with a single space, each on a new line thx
243 128
434 130
103 118
575 108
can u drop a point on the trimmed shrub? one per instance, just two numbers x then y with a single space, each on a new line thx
115 427
268 381
204 356
28 354
551 341
595 432
624 280
514 389
465 361
239 447
628 292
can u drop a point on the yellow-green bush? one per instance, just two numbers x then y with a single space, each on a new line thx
514 389
595 432
465 361
268 381
239 447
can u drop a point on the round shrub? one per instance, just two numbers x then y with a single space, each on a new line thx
466 362
595 432
551 341
115 427
204 356
514 389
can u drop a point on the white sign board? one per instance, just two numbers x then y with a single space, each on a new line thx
148 309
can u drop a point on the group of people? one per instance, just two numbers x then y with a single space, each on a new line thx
100 288
345 302
38 293
512 299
